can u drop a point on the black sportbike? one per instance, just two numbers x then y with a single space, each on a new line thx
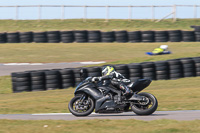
108 99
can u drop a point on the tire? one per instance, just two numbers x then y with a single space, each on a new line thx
3 38
86 113
148 111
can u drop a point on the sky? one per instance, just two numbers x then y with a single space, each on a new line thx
114 13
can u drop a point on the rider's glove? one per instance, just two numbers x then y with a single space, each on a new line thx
96 79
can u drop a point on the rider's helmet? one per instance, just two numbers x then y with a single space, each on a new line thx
164 47
106 70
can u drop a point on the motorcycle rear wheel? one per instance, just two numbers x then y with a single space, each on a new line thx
145 109
81 109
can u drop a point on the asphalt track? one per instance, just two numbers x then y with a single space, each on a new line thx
7 69
175 115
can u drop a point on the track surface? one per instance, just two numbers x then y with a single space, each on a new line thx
7 69
175 115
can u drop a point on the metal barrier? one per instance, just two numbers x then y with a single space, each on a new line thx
173 13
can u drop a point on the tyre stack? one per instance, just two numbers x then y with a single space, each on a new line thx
80 36
188 67
93 71
147 36
94 36
53 36
188 36
13 37
121 36
22 82
197 36
107 36
148 70
39 37
26 37
52 80
123 69
67 36
175 69
14 81
134 36
161 36
162 70
38 81
77 76
3 38
175 36
197 65
135 71
67 77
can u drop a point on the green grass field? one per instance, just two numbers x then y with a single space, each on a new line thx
99 126
95 24
110 52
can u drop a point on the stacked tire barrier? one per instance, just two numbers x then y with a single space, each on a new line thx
37 80
188 67
26 37
66 36
13 37
175 69
135 71
175 36
147 36
107 36
53 79
94 36
162 70
39 37
67 78
21 82
84 36
161 36
70 77
134 36
197 65
148 70
121 36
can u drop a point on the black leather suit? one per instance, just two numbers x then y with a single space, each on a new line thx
117 80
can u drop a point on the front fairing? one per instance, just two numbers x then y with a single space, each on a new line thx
83 83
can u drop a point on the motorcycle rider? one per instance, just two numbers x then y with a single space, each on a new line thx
117 79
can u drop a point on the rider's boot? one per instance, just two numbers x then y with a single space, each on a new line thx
126 90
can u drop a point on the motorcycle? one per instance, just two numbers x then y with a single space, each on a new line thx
90 96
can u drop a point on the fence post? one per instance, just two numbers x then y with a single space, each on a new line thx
16 17
130 13
152 13
195 11
63 12
39 12
174 9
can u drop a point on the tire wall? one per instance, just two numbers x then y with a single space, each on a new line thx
96 36
41 80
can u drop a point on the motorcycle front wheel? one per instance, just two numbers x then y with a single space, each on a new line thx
146 107
81 107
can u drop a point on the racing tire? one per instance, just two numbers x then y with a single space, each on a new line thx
80 114
148 111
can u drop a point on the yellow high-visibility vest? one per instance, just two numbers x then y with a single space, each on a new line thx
157 50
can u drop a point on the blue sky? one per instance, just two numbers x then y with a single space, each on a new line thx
121 13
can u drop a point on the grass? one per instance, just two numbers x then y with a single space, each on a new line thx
99 126
111 52
95 24
181 94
